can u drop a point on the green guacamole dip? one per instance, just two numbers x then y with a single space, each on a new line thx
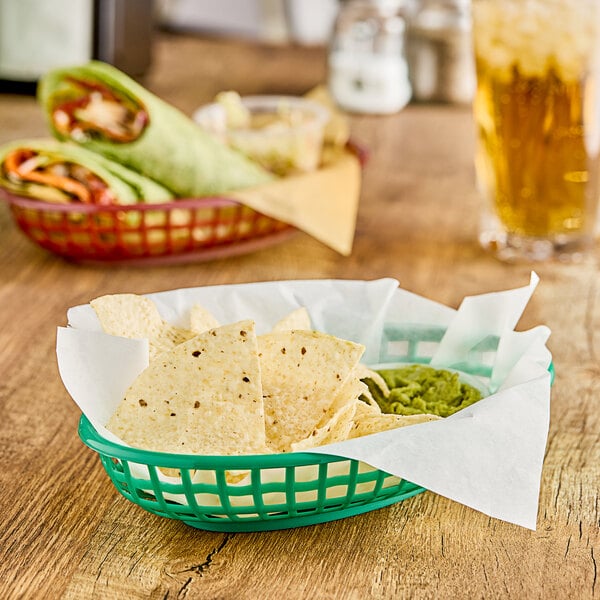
420 389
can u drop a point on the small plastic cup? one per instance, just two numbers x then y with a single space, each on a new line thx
285 135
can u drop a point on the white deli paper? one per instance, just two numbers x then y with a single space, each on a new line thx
488 456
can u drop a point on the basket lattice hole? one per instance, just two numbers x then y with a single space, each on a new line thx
272 489
80 238
306 485
133 240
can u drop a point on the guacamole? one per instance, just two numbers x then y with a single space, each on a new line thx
420 389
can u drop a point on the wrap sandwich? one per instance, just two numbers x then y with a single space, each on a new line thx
102 109
59 172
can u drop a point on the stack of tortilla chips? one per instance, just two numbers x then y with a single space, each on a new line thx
224 390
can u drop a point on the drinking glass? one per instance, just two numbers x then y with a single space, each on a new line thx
537 113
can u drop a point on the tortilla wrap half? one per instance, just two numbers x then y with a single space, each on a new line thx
59 172
99 107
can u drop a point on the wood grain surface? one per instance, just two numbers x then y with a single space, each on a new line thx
66 533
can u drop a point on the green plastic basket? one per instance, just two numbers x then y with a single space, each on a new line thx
276 491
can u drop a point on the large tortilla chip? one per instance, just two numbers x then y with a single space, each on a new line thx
136 317
297 319
202 397
301 371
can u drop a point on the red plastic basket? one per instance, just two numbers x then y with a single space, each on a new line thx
185 230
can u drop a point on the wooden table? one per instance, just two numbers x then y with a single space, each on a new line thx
65 531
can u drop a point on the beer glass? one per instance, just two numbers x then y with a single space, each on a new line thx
537 114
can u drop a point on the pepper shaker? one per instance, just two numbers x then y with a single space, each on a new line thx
439 51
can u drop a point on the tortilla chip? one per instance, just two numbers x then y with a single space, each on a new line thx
347 394
202 320
336 429
136 317
202 397
297 319
301 371
233 477
336 423
365 373
337 130
364 410
367 398
367 423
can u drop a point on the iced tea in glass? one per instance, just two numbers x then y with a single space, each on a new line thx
537 113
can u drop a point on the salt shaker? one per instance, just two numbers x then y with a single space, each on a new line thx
368 72
439 51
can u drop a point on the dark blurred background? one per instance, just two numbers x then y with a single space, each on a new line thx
37 35
423 46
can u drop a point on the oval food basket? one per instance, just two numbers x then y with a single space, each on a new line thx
177 232
278 491
246 493
186 230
